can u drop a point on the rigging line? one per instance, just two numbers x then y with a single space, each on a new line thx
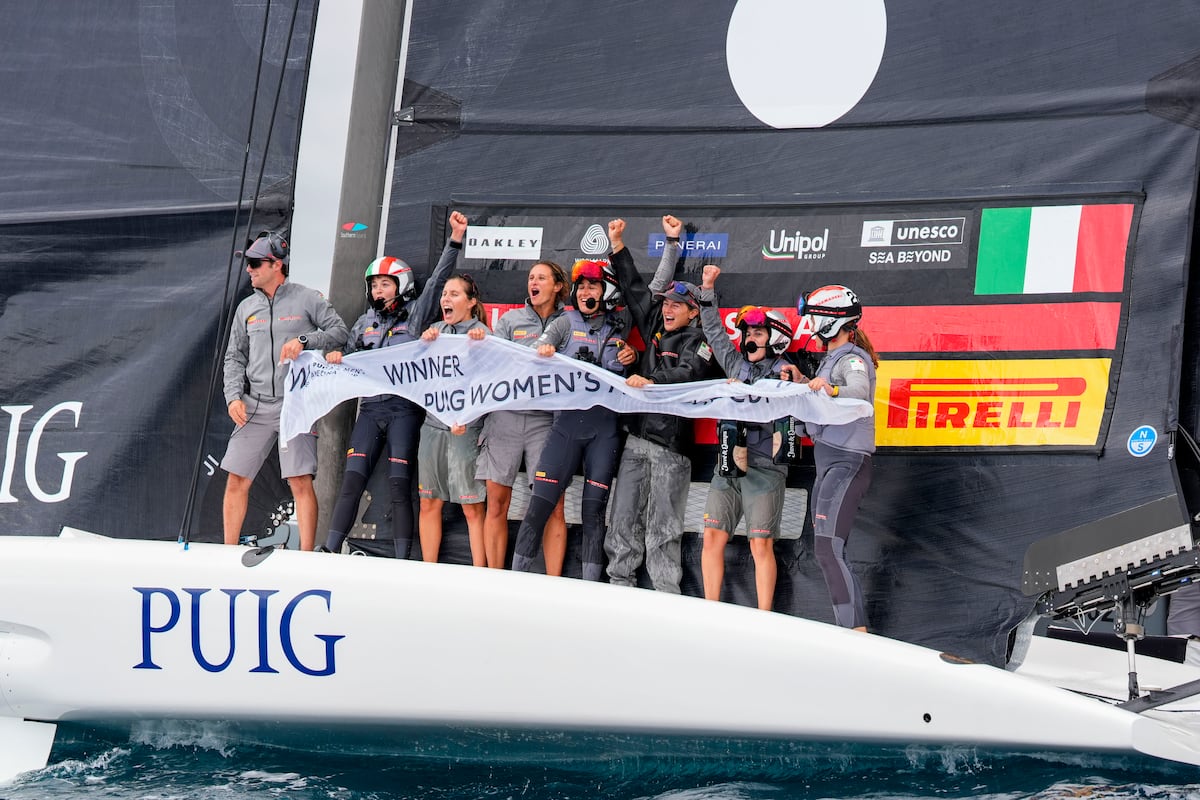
312 40
262 164
1191 442
229 292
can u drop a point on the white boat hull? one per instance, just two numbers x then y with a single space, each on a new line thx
105 630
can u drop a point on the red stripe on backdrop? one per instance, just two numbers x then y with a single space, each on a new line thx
974 329
1100 251
1016 327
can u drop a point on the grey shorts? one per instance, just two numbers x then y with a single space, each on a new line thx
758 494
509 436
250 444
446 466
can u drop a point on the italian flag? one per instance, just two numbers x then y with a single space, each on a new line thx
1053 249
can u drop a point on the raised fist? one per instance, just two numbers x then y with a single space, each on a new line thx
458 225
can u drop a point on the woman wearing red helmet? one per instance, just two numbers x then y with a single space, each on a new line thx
753 486
842 452
592 331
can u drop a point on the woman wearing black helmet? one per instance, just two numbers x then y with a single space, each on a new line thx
592 331
753 484
842 452
393 318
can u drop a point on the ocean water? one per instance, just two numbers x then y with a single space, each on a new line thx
198 761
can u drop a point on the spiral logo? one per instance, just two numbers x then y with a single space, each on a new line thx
594 242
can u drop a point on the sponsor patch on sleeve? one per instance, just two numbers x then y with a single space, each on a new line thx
855 363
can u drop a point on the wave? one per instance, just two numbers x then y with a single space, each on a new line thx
195 760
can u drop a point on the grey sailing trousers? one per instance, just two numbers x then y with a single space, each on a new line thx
646 520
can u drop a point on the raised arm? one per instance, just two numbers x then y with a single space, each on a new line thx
420 313
672 227
633 287
710 320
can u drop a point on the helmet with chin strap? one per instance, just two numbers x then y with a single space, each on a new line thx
828 311
779 331
601 271
398 271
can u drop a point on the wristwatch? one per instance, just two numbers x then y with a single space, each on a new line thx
303 340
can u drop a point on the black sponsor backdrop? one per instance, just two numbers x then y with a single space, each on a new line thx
565 105
120 316
122 137
770 254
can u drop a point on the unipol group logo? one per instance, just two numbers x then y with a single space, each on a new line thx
594 241
1019 403
796 245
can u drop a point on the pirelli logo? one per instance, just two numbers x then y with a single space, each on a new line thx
993 403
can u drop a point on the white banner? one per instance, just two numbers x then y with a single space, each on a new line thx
459 380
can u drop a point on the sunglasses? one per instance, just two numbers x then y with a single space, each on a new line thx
751 316
680 288
588 269
254 263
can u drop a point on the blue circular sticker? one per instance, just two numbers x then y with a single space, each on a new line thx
1141 441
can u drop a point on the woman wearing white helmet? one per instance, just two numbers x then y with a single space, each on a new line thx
842 452
393 318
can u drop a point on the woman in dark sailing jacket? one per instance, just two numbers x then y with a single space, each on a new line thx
656 471
393 318
592 331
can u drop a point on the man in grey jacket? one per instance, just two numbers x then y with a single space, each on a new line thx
270 328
